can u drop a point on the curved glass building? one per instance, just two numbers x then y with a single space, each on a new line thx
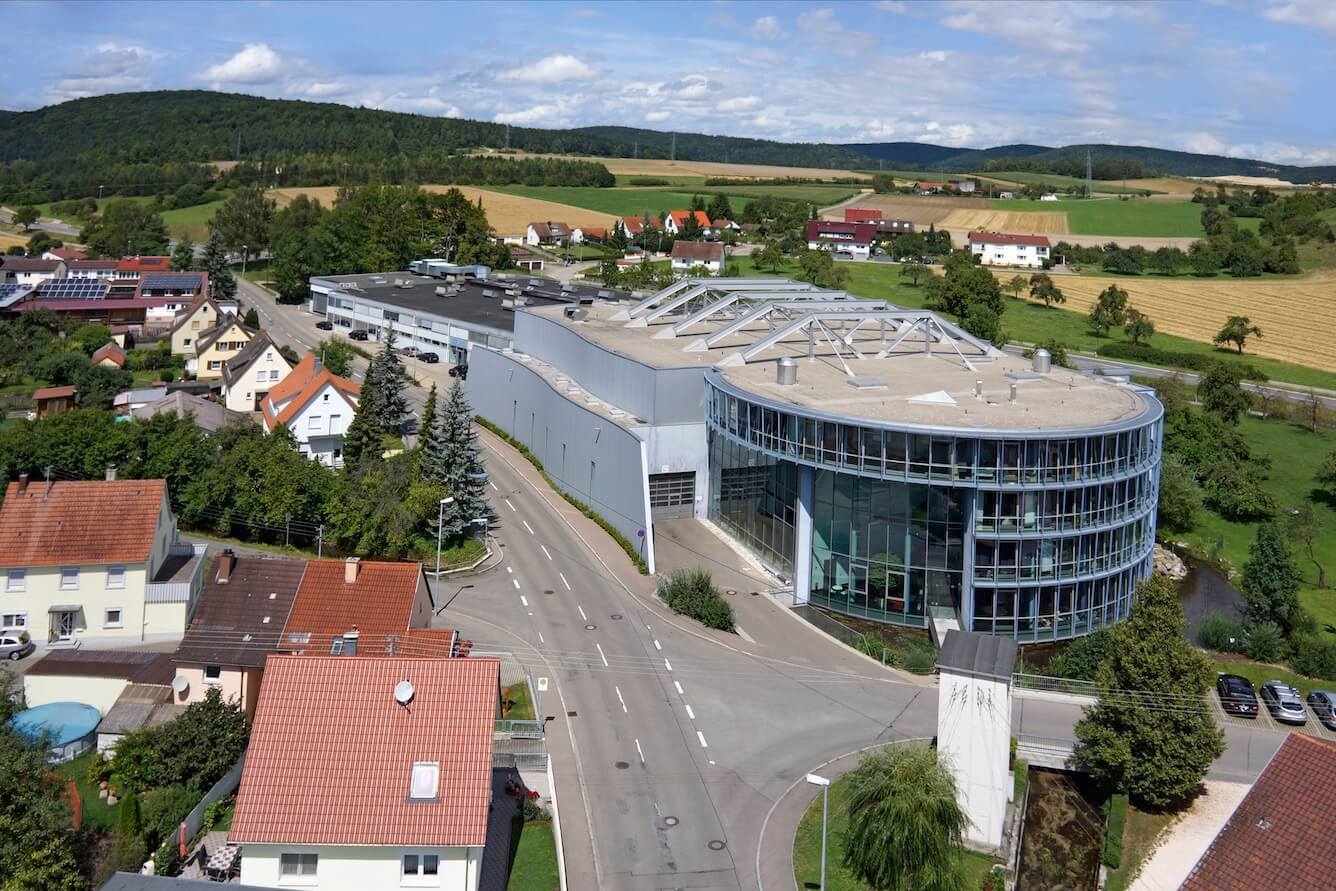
890 465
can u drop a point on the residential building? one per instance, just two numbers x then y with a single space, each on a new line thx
65 254
125 278
1004 249
675 221
1279 834
29 270
862 214
110 355
547 233
207 414
186 285
689 255
252 373
54 400
929 188
216 345
202 315
127 312
854 239
888 464
631 226
723 224
316 405
358 607
431 311
93 676
104 270
964 186
589 233
410 810
894 227
95 559
128 401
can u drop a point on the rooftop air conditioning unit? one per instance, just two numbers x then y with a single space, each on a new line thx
442 290
488 292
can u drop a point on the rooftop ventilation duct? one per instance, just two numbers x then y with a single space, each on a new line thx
1041 361
786 372
1013 392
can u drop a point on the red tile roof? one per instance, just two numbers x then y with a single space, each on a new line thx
80 522
857 233
1280 835
633 225
67 253
861 214
55 392
549 229
380 604
1006 238
299 387
331 753
143 264
698 251
679 217
109 351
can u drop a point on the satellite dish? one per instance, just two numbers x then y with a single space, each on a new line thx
403 692
180 685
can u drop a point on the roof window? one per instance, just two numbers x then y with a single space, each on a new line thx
426 777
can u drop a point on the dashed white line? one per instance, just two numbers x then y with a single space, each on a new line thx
510 569
508 504
690 713
668 665
545 553
564 582
601 656
527 526
582 612
640 752
701 736
657 645
619 698
516 582
493 485
540 637
678 685
524 600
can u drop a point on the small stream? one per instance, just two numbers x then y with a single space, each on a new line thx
1206 590
1062 834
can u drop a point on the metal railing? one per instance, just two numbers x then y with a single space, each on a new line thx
1020 681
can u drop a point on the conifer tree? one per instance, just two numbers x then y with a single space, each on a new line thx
386 380
463 475
363 436
428 416
222 283
432 463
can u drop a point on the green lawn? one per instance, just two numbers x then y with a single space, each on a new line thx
533 865
192 221
96 814
1109 216
1139 836
807 848
521 703
1059 181
694 181
1258 672
1028 322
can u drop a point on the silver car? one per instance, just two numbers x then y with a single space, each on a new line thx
15 644
1284 702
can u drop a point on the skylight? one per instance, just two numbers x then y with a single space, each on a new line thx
426 777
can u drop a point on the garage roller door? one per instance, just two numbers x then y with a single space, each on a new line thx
672 496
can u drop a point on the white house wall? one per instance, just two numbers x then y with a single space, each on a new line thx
360 868
974 743
100 693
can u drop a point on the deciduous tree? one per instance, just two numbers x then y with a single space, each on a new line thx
1042 288
245 220
1237 330
25 216
1137 325
37 838
1221 392
1270 580
1109 310
126 228
1306 529
1017 284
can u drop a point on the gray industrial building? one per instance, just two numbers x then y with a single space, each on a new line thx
888 464
439 307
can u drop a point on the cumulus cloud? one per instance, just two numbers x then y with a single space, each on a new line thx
934 56
560 68
1308 13
655 117
739 103
766 28
256 63
110 68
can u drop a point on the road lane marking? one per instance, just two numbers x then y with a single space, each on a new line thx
527 526
657 645
640 752
544 547
690 713
619 698
601 656
668 665
743 634
582 612
524 600
678 685
564 582
510 569
540 637
516 582
493 485
701 736
508 504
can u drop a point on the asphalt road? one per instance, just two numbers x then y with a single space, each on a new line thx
672 745
45 226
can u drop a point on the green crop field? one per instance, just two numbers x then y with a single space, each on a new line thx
1059 181
192 221
1107 216
632 201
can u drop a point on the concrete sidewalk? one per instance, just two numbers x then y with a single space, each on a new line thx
1181 846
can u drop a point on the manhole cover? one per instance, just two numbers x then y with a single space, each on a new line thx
616 616
590 627
716 845
548 591
621 765
731 593
670 821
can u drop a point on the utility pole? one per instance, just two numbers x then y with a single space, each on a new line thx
507 137
674 154
319 537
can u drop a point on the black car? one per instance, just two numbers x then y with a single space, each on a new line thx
1236 695
325 325
429 358
357 335
460 371
1323 704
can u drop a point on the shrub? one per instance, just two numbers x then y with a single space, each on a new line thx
163 811
1082 657
130 851
1144 352
167 859
917 654
1115 812
995 879
127 817
648 181
1265 642
1314 657
99 769
532 808
691 592
1220 634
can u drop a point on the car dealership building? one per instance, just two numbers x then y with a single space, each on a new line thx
888 464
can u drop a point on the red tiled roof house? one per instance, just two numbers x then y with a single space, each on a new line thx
316 405
547 233
94 559
688 255
849 238
1005 249
369 773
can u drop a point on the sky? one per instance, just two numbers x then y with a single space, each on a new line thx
1247 78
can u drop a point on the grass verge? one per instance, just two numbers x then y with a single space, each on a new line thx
533 859
517 704
96 814
1139 838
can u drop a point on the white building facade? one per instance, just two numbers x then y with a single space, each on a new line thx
1002 249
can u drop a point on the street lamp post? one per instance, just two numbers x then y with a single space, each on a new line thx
825 817
440 528
245 252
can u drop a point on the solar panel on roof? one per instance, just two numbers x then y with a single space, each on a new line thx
182 280
74 288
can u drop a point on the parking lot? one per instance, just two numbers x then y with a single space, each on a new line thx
1264 720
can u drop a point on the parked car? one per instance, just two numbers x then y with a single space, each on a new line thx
410 352
1236 695
357 335
1323 704
325 325
1284 702
429 358
16 644
460 371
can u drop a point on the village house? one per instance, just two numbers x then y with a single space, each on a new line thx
688 255
854 239
66 254
206 414
125 278
316 405
1004 249
216 345
252 373
675 221
109 355
90 269
548 233
29 270
202 315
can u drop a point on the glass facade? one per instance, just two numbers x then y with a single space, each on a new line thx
1036 538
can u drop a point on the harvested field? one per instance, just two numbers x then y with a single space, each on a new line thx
1249 181
1171 186
921 209
1297 316
7 239
659 167
1017 222
507 214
